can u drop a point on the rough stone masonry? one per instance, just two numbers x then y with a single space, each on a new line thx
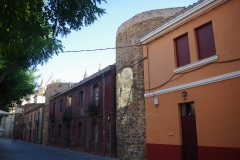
130 111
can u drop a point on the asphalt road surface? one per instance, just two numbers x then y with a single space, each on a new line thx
31 151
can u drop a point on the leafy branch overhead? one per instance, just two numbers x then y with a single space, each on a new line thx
29 29
16 87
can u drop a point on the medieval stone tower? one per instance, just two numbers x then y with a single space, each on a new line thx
51 90
130 113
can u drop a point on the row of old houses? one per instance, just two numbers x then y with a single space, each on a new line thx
172 95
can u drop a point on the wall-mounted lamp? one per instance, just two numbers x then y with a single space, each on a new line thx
184 93
155 101
109 118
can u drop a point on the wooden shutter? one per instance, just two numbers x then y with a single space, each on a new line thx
205 40
182 50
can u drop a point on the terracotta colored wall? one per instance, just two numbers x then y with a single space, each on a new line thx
217 115
226 34
217 104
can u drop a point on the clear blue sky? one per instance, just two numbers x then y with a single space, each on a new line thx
70 67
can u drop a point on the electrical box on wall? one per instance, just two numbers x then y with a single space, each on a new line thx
155 101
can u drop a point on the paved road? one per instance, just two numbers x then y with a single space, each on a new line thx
31 151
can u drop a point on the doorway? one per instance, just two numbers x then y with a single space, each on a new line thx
189 133
30 133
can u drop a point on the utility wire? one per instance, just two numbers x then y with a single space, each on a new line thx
103 49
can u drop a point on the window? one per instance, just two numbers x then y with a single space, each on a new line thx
81 99
69 101
95 94
79 131
94 132
205 41
182 50
61 105
54 108
52 131
59 131
68 130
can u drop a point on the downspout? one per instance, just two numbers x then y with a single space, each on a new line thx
149 89
104 116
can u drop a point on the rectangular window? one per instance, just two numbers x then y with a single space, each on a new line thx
61 105
69 101
59 131
79 131
81 99
52 131
68 130
54 108
182 50
205 41
94 132
95 94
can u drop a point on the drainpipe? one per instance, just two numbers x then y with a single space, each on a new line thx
104 116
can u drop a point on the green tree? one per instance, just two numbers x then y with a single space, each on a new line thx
29 29
16 86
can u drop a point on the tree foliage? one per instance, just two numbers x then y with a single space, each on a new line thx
16 86
29 29
28 37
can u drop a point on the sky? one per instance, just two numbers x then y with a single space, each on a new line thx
71 66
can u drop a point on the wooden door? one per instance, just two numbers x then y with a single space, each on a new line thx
189 133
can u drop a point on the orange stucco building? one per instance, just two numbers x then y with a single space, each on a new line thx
192 83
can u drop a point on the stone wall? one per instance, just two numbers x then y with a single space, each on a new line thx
131 127
51 90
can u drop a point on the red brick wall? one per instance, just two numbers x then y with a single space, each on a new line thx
80 115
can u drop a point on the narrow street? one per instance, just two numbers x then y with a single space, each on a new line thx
30 151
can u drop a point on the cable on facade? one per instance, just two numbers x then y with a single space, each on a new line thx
132 64
183 73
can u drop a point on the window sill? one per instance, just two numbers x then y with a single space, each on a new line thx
196 64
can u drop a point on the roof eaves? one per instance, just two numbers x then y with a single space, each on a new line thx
175 19
108 68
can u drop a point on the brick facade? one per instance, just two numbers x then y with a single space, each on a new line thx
88 133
